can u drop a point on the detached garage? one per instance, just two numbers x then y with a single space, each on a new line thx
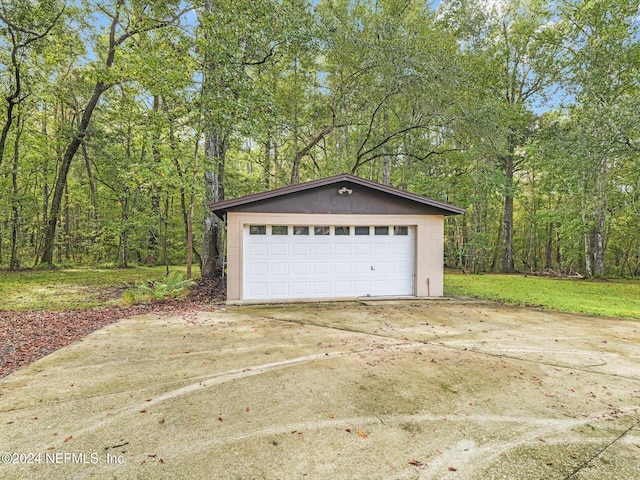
334 238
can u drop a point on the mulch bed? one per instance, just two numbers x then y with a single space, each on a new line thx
28 336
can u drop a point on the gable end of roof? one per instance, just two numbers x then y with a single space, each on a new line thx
220 208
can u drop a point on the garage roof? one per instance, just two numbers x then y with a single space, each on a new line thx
319 196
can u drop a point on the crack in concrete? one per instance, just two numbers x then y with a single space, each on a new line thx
587 462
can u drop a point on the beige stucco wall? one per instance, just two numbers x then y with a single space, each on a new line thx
429 255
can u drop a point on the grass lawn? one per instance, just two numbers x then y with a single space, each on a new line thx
71 288
616 298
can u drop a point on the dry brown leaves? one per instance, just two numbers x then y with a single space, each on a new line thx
28 336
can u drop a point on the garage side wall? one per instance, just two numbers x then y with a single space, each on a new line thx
429 253
430 256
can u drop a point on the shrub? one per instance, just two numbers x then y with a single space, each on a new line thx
173 287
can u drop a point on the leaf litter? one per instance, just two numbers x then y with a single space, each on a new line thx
27 336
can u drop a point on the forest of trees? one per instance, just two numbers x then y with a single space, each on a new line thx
121 119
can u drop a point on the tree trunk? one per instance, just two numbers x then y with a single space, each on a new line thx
81 132
295 169
70 152
386 159
215 153
548 251
190 239
93 191
386 170
74 145
14 262
589 247
496 250
266 176
173 144
152 254
339 148
11 103
192 201
165 235
124 232
215 150
13 99
67 224
507 224
599 243
532 248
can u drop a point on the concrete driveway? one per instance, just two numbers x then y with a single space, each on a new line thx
417 390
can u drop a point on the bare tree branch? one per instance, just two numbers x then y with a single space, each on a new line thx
371 120
155 26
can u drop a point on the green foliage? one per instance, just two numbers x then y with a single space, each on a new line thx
172 287
616 298
433 100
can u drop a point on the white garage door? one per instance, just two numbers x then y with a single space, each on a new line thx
311 261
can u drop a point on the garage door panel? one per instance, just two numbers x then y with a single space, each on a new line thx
400 285
280 249
301 268
381 286
320 268
323 288
280 268
342 249
314 266
301 288
382 267
259 249
362 267
280 288
258 289
323 248
340 268
361 249
400 267
302 249
256 269
362 287
381 249
402 249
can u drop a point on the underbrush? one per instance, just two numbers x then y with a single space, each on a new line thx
173 287
72 288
